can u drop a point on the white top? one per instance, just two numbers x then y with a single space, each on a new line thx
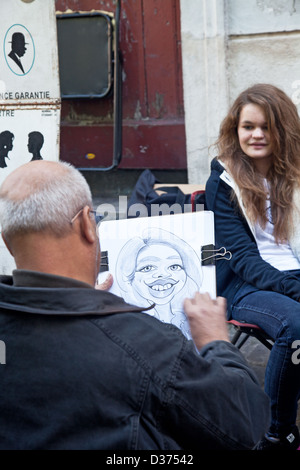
278 255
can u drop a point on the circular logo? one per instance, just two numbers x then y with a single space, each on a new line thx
19 50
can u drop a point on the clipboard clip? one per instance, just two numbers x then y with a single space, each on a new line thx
209 255
104 265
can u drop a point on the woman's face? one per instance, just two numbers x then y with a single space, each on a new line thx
254 136
159 273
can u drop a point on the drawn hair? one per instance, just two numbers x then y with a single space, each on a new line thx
51 204
284 174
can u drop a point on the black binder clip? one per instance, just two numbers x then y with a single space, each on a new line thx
209 255
104 262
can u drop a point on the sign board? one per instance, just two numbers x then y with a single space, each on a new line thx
29 89
28 59
7 262
27 134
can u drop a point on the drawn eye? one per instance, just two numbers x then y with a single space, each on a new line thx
146 269
175 267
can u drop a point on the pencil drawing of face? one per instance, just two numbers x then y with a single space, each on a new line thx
162 269
159 273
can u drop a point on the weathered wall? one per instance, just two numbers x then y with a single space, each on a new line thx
153 112
227 46
204 76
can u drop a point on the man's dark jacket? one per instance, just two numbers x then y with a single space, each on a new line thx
85 370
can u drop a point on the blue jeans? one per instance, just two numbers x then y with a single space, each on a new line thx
278 316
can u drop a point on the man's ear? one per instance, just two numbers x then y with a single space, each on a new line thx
88 227
6 244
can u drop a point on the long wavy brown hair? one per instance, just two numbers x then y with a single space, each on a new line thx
284 174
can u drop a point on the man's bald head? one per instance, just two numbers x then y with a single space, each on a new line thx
29 178
42 195
38 202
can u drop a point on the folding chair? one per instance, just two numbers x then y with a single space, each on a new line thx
243 331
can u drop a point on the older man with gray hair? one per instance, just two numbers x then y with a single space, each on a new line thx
84 369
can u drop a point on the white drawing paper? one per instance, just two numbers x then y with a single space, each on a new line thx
157 260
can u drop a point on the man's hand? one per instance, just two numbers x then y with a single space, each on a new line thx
207 319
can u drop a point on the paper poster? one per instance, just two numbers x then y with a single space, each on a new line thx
159 260
28 57
7 264
29 89
27 134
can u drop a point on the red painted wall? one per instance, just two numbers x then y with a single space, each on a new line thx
153 111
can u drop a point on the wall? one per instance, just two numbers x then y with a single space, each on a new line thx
204 75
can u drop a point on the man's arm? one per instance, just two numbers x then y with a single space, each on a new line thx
217 395
207 319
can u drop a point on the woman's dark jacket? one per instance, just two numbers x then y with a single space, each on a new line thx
85 370
234 232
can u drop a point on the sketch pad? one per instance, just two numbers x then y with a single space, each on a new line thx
160 260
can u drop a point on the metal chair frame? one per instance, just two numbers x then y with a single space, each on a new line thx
243 331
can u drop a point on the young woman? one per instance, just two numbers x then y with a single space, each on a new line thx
254 192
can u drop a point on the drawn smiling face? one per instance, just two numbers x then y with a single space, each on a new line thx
160 273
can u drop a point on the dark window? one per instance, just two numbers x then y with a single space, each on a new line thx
85 54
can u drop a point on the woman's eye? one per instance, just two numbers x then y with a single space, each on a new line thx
146 269
175 267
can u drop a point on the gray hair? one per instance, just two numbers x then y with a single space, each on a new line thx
49 206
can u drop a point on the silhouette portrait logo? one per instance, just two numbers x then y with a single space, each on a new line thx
19 50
